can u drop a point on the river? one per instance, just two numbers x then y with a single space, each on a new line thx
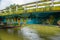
23 34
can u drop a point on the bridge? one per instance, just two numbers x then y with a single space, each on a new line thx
45 12
44 6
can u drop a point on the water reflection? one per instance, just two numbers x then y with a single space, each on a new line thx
22 34
10 34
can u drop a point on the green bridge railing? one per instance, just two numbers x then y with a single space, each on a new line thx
32 7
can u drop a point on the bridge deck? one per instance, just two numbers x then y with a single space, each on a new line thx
30 8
